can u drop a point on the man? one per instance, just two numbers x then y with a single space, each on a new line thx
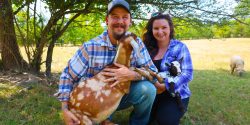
95 54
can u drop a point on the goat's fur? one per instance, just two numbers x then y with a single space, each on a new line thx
92 101
237 65
174 70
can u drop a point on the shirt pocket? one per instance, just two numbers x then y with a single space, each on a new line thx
96 65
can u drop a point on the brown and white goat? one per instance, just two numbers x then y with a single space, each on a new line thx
93 100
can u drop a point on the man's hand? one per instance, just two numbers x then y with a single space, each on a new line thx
161 87
121 74
70 118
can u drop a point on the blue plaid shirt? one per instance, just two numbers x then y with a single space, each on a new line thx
91 58
176 51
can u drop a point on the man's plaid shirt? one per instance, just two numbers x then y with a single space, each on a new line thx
91 58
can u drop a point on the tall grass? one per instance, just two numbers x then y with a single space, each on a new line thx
218 98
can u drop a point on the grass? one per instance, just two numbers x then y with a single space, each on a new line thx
218 98
36 106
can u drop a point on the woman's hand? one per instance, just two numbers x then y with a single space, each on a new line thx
161 87
70 118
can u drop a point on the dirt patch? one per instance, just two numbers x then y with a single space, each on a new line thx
24 78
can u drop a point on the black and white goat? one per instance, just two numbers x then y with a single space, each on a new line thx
174 71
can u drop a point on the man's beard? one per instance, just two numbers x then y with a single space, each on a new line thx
118 36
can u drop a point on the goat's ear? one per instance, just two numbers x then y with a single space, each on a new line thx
181 59
134 36
167 64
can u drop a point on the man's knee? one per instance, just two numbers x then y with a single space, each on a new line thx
146 88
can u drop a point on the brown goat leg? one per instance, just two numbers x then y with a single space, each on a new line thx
155 75
144 73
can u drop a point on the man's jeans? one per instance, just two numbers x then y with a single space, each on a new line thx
141 96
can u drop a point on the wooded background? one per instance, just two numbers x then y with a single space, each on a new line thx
39 25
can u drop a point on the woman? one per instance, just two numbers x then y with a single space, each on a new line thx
163 48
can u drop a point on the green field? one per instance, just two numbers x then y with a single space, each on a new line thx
218 98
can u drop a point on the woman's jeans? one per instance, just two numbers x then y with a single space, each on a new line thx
166 111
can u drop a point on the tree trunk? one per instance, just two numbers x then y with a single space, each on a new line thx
1 25
49 58
42 41
11 57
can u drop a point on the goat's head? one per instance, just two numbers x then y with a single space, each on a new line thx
175 67
126 44
127 40
240 71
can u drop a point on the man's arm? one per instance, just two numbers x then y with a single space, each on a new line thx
146 60
76 68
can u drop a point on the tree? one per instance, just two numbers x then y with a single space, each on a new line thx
84 28
55 27
37 34
243 9
11 56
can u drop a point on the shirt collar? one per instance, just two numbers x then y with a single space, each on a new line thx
106 41
173 42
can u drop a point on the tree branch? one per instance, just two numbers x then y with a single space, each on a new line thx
160 3
21 7
215 13
59 33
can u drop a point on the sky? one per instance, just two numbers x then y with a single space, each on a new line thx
45 12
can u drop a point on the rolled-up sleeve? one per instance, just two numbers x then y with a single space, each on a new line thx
145 60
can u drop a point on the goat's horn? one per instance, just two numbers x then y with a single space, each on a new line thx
136 47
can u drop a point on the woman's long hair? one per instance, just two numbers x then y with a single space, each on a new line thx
148 37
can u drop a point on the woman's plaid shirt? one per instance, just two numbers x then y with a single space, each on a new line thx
176 51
